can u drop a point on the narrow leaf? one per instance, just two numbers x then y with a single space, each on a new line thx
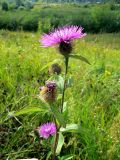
49 64
28 110
69 81
67 157
80 58
69 128
60 143
57 115
64 106
46 66
48 155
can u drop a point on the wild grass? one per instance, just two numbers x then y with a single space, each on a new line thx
93 100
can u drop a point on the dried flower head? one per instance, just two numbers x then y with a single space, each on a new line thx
46 130
64 37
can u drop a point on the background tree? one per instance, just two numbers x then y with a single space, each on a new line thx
4 6
18 3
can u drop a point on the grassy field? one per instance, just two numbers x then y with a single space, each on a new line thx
93 100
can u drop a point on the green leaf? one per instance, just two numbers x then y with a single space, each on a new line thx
58 115
46 66
65 112
60 82
70 128
67 157
49 64
28 110
48 155
64 106
59 97
69 81
60 143
79 57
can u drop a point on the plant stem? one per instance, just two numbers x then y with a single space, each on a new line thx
61 109
64 87
55 144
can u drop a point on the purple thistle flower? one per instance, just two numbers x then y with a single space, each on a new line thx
46 130
62 35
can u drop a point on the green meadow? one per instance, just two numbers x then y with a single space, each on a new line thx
93 99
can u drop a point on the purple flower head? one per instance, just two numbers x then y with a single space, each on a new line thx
46 130
51 84
63 36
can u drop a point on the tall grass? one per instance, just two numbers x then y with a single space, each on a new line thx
93 100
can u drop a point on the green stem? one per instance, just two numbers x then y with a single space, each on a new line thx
64 87
55 145
61 109
56 140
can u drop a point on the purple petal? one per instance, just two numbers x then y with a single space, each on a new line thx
46 130
66 34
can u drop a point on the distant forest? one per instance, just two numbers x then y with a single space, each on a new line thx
79 1
61 1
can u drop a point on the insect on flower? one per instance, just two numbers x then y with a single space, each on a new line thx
48 92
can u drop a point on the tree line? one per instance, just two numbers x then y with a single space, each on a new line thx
80 1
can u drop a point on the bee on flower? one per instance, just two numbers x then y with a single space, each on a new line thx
48 92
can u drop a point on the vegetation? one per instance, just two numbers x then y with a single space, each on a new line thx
4 6
94 18
92 97
92 101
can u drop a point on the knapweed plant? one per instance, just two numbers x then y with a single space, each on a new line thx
52 94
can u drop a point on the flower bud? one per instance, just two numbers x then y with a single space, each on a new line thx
55 69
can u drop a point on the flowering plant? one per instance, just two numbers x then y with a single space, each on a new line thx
63 38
